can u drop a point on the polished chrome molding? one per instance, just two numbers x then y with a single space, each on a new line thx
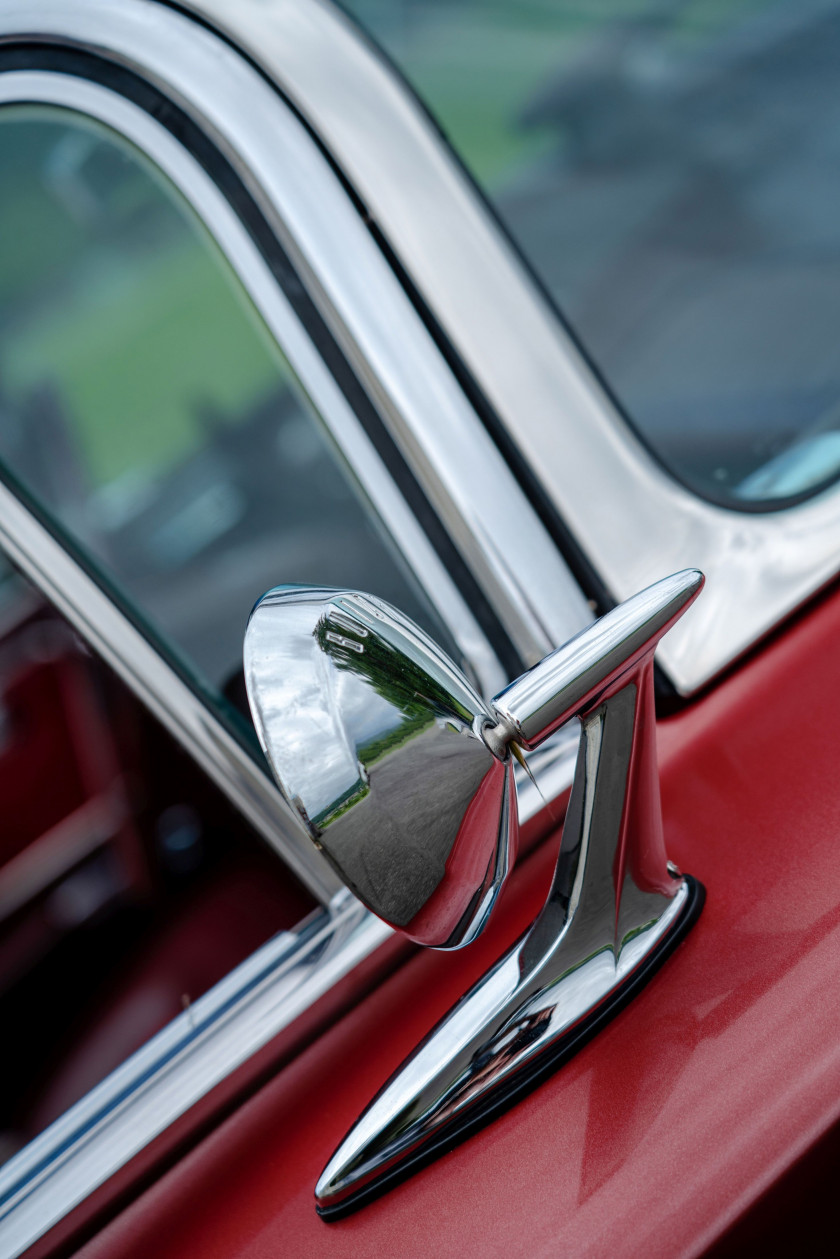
95 616
123 1115
615 908
178 1067
632 520
87 607
507 548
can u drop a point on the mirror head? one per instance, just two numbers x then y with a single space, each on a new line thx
375 738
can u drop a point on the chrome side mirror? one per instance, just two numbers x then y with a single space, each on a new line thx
403 777
376 739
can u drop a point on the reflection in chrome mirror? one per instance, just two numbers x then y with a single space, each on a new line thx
375 737
403 777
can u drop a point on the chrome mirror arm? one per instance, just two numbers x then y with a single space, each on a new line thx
616 908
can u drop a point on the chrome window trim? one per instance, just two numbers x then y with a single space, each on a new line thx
508 550
91 611
271 303
633 521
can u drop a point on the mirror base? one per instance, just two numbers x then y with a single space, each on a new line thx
369 1163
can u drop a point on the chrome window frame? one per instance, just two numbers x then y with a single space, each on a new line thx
486 513
633 521
93 613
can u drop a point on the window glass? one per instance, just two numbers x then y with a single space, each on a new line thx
672 171
145 406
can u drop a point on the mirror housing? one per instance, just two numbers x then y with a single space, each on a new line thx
375 737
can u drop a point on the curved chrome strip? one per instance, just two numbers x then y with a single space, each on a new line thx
225 1027
462 472
633 521
93 614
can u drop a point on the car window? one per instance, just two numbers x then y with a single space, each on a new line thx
146 408
671 172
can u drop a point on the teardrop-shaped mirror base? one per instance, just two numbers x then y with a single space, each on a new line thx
553 1056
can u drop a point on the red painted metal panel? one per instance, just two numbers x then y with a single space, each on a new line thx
667 1127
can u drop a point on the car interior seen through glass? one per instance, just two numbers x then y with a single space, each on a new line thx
672 172
128 885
